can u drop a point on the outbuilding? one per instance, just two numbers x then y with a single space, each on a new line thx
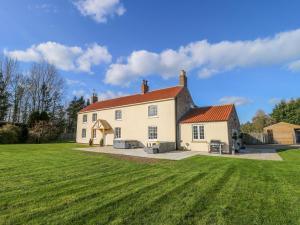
283 133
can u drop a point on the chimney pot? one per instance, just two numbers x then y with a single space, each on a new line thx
94 98
144 87
183 78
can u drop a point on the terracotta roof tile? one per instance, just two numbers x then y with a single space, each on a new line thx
161 94
208 114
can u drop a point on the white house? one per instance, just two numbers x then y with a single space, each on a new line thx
154 116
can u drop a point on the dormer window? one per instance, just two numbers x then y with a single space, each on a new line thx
118 115
152 110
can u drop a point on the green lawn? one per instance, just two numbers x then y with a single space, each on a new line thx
53 184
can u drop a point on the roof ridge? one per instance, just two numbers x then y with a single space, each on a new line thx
136 94
158 94
213 106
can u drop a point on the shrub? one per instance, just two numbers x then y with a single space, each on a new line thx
101 142
10 134
43 132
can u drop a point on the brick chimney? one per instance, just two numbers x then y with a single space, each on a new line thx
94 98
183 78
144 87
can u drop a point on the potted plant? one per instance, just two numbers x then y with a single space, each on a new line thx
90 142
101 142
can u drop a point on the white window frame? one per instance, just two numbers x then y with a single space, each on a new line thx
152 133
94 115
152 109
118 133
84 118
118 115
199 128
94 133
83 136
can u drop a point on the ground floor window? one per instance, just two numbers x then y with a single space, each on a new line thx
83 133
94 133
198 132
117 132
152 133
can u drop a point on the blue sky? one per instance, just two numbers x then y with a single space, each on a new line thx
246 52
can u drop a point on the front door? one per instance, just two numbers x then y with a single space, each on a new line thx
297 134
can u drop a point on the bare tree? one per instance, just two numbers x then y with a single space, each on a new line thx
44 87
17 95
8 69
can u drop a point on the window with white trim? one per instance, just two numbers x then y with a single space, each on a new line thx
152 110
83 133
118 114
94 117
94 134
84 118
152 133
117 132
198 132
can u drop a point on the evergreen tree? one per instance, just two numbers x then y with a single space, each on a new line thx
74 107
287 111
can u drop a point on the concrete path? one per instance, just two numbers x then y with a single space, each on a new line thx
250 153
139 152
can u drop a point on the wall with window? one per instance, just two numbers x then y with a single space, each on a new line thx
134 123
197 136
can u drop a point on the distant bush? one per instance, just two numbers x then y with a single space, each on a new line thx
10 134
43 132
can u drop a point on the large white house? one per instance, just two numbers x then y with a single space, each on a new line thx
156 116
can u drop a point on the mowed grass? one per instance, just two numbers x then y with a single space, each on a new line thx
53 184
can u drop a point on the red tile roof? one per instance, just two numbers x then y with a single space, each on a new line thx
208 114
161 94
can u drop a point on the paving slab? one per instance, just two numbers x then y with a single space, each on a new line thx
249 153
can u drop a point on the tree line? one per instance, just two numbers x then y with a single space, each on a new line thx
34 101
285 111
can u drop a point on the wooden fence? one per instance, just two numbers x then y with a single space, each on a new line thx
256 138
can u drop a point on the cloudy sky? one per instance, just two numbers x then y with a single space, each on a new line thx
247 53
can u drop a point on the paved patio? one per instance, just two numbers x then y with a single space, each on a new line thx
250 153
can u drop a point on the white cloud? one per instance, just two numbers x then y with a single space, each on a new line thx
294 66
44 7
75 82
100 10
102 95
209 58
110 94
274 101
237 100
68 58
80 92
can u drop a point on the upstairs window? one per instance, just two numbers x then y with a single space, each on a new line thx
198 132
152 133
152 110
117 132
84 118
118 114
94 117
